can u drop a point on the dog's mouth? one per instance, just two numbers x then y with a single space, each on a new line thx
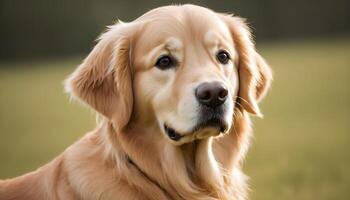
202 130
172 133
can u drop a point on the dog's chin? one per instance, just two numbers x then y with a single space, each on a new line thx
207 132
202 130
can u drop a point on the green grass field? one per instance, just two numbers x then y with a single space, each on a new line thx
301 149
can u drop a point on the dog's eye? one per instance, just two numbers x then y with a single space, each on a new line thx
223 56
165 62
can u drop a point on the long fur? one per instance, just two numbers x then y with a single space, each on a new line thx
124 159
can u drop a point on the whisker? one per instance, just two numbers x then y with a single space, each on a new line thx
238 97
234 116
239 104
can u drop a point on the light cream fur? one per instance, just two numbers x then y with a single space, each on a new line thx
128 156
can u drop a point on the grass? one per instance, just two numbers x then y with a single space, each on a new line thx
300 149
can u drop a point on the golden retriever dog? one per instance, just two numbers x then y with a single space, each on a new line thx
174 89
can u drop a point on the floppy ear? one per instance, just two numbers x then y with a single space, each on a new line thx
254 74
103 80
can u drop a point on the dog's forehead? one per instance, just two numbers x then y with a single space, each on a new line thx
186 24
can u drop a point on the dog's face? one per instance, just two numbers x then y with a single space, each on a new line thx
184 68
186 75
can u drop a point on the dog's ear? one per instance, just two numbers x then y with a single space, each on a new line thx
254 73
103 80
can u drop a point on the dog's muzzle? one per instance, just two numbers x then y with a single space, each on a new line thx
208 125
211 97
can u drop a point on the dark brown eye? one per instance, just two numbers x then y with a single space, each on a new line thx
223 57
165 62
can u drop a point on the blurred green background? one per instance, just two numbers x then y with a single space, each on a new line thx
301 147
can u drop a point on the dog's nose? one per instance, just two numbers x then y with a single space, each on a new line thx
211 94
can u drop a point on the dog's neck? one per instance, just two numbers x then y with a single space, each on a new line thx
189 171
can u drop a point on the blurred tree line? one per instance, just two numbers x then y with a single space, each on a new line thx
39 29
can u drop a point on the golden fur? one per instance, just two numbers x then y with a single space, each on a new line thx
128 156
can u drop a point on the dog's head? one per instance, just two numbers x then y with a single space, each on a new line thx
184 69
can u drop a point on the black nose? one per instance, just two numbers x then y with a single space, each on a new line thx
211 94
